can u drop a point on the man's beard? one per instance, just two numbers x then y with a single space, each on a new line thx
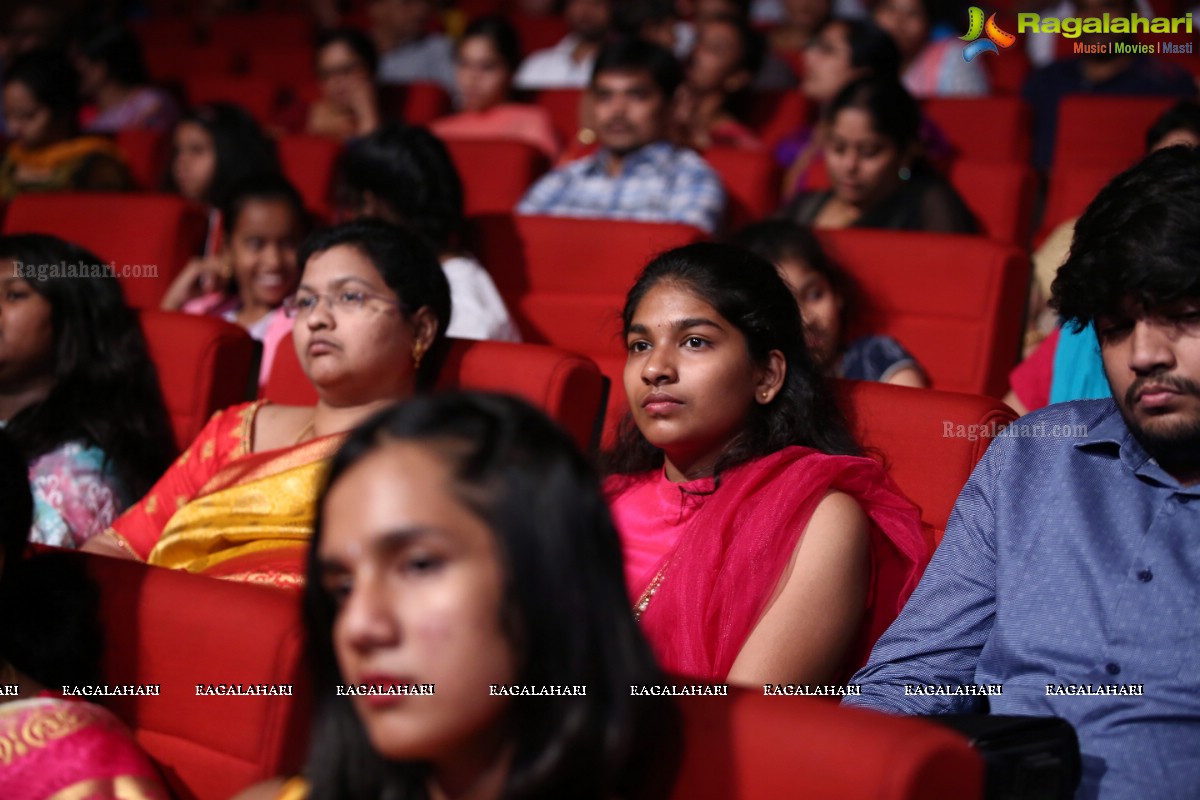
1177 447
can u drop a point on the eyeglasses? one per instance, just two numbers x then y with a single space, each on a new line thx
347 302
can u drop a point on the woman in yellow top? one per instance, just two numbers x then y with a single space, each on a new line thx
41 109
369 319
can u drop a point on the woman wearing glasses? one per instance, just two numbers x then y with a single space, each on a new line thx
369 320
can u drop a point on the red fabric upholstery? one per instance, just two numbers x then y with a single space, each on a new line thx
563 107
177 630
287 63
1000 194
309 163
906 430
158 230
983 128
774 116
204 364
1008 73
565 280
414 103
751 747
1105 128
495 173
537 33
1072 187
259 96
956 302
168 61
568 387
147 154
247 32
751 180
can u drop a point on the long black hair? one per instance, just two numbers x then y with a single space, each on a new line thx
16 504
52 80
565 610
746 290
106 390
241 147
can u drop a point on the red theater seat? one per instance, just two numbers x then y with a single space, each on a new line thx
563 107
414 103
929 441
148 233
495 173
259 96
1000 194
1072 187
286 64
565 280
775 116
147 154
983 128
538 32
956 302
568 387
310 163
750 747
177 630
169 62
204 364
247 32
751 180
1105 129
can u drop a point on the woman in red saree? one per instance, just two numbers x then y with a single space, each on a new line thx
760 547
369 319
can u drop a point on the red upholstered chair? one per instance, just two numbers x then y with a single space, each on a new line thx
160 231
750 747
177 630
289 63
495 173
1105 129
956 302
565 280
1072 187
310 163
929 441
246 32
414 103
259 96
1000 194
147 154
983 128
168 62
567 386
776 115
563 107
751 180
538 33
204 364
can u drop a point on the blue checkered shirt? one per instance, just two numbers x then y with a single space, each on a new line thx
1070 559
658 183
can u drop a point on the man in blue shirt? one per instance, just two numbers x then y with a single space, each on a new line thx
636 174
1069 574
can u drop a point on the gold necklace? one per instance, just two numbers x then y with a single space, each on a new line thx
305 431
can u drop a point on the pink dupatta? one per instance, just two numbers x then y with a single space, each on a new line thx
714 584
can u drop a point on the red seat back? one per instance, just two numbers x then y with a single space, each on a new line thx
929 441
776 115
748 747
983 128
310 163
495 173
956 302
204 364
538 32
249 31
563 106
416 103
1000 194
259 96
153 235
565 280
751 180
568 387
147 154
176 630
1072 188
168 62
1105 128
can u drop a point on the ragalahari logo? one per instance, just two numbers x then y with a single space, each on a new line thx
995 36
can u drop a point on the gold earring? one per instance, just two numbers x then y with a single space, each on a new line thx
418 353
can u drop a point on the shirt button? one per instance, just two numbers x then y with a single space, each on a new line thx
1112 668
1145 576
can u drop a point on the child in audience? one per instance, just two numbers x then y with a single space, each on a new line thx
826 296
879 176
368 331
114 80
759 546
47 154
215 146
56 746
486 60
78 392
403 174
346 62
463 542
263 222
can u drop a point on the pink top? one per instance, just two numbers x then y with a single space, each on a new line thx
519 122
269 330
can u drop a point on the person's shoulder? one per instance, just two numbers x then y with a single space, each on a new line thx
1075 412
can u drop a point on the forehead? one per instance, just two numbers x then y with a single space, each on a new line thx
854 123
337 51
625 81
338 264
668 301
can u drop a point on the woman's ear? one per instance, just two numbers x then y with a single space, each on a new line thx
770 378
425 327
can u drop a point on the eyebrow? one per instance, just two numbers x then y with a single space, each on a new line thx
679 325
340 282
382 547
